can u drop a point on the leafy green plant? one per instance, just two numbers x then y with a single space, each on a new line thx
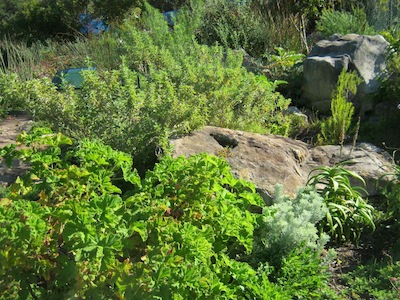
348 212
150 115
166 85
27 19
280 63
334 129
52 215
305 275
288 239
81 224
12 93
248 26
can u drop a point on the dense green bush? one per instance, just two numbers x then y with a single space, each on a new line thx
343 22
233 26
112 108
375 280
28 19
248 27
12 93
82 224
288 239
167 85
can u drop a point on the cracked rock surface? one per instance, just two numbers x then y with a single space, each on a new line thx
267 160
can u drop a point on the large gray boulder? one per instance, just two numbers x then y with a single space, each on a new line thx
267 160
364 54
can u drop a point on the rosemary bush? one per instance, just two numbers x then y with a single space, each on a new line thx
335 128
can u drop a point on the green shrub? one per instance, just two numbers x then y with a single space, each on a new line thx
29 19
166 85
374 280
288 239
343 22
348 212
12 93
304 275
235 98
111 107
233 26
247 26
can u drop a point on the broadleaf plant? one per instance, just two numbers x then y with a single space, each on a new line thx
73 227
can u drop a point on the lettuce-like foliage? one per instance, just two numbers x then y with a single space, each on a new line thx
81 223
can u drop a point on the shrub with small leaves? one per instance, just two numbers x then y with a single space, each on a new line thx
288 239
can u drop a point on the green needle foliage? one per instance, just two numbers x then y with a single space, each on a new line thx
343 22
166 84
348 212
334 129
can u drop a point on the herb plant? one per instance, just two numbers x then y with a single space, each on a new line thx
335 128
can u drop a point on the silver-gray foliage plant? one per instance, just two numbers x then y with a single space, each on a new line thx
291 223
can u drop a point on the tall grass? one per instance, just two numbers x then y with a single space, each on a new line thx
43 59
249 27
18 58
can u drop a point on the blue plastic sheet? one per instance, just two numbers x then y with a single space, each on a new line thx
92 25
169 16
71 76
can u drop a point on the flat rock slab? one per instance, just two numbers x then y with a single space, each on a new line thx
267 160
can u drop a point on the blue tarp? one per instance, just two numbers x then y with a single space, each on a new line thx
92 25
72 76
169 16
